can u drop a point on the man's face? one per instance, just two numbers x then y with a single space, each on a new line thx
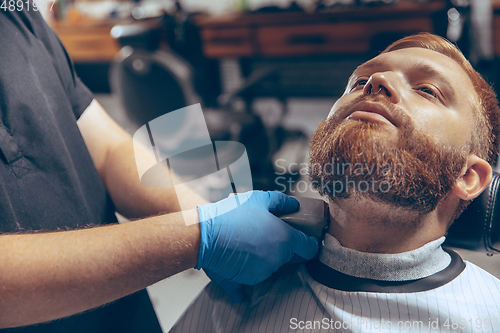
401 127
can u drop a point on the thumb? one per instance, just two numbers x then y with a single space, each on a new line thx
281 204
304 246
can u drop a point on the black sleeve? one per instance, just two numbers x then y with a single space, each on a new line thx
78 94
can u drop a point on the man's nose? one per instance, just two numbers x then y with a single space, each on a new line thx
380 83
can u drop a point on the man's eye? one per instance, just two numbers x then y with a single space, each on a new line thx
361 82
428 90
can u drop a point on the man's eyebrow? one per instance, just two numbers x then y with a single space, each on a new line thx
365 66
369 64
428 70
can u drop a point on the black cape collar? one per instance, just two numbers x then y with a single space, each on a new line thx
340 281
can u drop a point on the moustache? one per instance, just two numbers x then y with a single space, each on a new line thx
397 113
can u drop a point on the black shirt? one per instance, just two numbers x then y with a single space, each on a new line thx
47 178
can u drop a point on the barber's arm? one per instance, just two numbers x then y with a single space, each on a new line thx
45 276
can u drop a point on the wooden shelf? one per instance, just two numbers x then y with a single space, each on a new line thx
87 41
297 34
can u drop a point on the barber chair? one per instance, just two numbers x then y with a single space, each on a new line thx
148 81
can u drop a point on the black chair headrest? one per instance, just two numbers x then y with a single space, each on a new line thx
478 228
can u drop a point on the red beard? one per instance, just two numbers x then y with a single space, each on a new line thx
354 157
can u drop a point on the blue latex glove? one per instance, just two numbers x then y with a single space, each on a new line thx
247 244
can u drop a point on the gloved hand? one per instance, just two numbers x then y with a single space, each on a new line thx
248 243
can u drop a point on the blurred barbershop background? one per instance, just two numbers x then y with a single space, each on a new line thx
265 72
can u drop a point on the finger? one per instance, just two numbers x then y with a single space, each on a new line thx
280 203
305 246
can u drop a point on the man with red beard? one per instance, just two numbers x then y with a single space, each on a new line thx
399 157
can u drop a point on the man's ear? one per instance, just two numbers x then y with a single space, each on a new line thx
476 177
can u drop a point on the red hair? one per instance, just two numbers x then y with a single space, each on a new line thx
485 135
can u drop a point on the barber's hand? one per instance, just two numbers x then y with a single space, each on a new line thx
248 243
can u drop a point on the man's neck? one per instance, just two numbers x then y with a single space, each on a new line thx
367 226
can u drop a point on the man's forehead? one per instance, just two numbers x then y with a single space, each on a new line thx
408 57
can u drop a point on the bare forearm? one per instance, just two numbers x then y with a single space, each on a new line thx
131 198
52 275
